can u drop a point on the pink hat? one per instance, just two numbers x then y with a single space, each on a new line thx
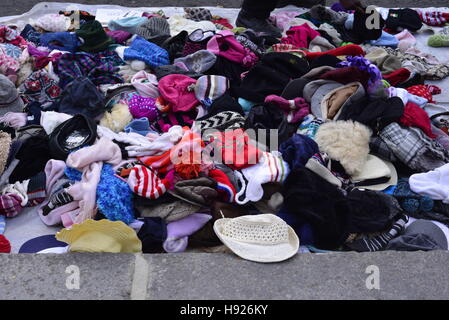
226 45
178 91
146 84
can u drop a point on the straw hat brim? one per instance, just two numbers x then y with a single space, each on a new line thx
259 252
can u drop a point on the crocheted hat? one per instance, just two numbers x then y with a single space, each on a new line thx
260 238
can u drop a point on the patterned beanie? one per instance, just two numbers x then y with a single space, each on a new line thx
197 14
210 87
156 30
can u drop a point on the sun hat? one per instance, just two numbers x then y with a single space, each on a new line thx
100 236
376 174
94 37
260 238
10 100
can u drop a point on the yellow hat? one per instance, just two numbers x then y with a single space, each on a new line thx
100 236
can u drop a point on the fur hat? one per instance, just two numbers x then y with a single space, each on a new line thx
5 143
117 118
345 141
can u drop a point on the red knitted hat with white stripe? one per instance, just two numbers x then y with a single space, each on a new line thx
145 182
226 190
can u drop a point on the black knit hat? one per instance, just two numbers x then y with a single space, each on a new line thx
325 60
175 45
271 75
399 19
360 26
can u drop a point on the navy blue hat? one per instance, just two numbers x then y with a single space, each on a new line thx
152 234
41 243
297 150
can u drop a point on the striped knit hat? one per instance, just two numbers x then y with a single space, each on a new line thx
270 168
226 190
210 87
145 182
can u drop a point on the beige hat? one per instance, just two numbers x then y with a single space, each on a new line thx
374 169
100 236
260 238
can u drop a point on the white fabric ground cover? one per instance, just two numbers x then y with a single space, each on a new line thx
27 225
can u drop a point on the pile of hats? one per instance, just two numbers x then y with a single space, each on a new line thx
160 134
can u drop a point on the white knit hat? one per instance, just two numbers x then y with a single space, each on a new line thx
260 238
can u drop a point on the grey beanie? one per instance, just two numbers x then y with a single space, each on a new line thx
198 62
10 100
156 30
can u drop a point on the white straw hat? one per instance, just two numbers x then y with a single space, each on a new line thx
260 238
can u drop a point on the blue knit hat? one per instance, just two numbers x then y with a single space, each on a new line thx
64 41
386 39
129 24
297 150
147 52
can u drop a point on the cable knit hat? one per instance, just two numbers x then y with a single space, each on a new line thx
155 29
94 37
270 168
199 61
178 91
10 100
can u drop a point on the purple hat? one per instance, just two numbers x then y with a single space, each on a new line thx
141 107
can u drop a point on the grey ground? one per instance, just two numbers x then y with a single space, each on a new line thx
419 275
199 276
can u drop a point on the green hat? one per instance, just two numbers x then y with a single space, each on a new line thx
94 37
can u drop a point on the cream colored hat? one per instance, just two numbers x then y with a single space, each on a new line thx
100 236
375 168
260 238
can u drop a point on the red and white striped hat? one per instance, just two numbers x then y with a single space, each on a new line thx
145 182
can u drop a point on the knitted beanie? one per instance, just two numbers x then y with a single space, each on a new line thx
2 224
94 37
226 120
178 91
128 24
198 62
145 182
141 107
226 190
155 29
146 51
5 245
270 168
210 87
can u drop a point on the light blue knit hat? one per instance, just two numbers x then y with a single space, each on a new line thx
129 24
